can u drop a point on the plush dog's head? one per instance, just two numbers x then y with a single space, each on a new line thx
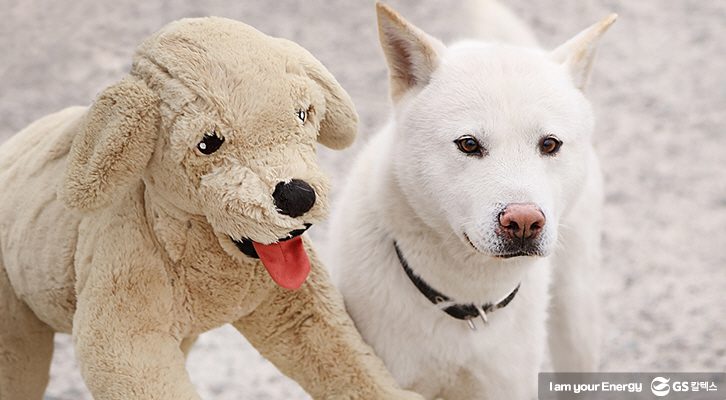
222 121
500 133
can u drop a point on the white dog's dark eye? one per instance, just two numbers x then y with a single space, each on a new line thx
302 115
469 145
210 143
549 145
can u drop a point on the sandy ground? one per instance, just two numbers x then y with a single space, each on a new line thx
659 91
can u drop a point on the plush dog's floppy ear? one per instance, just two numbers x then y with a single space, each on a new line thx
340 120
115 141
578 53
340 123
412 55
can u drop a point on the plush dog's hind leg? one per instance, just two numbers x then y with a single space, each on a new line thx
26 347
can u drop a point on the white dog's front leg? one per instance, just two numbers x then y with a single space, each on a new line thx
575 315
574 326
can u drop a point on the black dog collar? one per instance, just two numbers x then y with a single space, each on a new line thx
465 312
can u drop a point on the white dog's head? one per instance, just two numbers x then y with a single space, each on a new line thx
501 133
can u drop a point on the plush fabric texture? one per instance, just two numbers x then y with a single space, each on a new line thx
115 227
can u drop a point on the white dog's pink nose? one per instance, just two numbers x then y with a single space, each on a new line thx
521 220
294 198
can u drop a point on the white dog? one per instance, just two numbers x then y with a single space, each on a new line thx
457 213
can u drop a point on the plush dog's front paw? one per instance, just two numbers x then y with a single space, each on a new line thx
394 394
402 395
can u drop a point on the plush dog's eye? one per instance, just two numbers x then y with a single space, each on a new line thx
210 143
469 145
549 145
302 115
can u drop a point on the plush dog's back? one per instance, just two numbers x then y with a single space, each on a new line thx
30 161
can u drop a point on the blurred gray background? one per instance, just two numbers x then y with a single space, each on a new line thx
659 91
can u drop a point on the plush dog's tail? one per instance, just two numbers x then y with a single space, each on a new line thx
490 20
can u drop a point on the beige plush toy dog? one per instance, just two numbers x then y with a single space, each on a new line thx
173 205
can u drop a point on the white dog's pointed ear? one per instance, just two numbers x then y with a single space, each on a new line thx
578 53
412 55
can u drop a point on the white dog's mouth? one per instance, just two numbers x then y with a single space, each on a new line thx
511 248
521 248
285 260
516 254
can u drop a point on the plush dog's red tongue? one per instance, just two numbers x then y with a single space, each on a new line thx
286 262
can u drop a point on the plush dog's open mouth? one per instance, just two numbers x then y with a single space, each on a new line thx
285 260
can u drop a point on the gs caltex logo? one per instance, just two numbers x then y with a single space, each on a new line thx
632 386
660 386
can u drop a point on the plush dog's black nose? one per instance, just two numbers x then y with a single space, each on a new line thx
293 198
